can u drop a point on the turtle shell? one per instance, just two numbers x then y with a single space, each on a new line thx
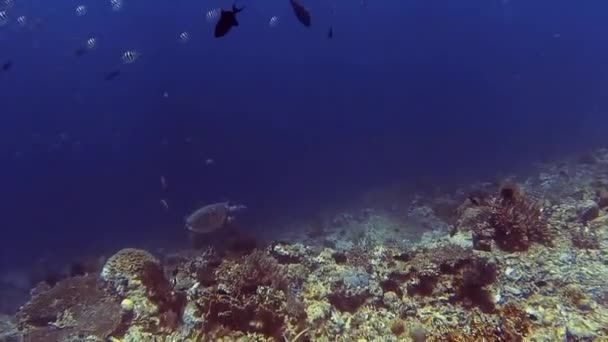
208 218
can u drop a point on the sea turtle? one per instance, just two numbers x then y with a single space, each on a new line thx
212 217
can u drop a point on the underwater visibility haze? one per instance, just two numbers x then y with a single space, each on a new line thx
278 170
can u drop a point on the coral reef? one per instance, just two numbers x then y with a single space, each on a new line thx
512 221
74 307
524 262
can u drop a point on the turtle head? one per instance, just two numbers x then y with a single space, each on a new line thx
235 207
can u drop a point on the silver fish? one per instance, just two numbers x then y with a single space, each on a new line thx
81 10
130 56
164 204
274 21
91 43
116 5
3 18
22 21
211 217
184 37
212 15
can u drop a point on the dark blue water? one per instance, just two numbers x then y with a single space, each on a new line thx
428 92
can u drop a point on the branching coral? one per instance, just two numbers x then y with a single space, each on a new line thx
470 284
513 326
257 294
250 315
359 255
260 269
513 222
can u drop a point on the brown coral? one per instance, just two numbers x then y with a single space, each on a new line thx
127 262
158 290
513 222
73 306
253 314
471 282
585 238
513 326
254 295
427 267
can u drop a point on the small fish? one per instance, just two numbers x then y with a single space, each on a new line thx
7 65
91 43
163 182
22 21
209 162
226 22
130 56
3 18
9 3
184 37
116 5
330 32
164 204
274 21
81 10
80 52
174 276
213 14
301 13
112 75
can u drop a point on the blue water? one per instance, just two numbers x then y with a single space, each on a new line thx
429 92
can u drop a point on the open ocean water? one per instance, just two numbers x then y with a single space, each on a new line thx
120 118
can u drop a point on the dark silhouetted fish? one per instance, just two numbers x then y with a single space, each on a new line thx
80 51
112 75
301 13
226 22
330 32
7 65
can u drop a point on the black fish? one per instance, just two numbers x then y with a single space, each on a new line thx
112 75
6 66
226 22
330 32
301 13
80 51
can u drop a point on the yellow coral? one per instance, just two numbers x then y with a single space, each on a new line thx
127 304
127 262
